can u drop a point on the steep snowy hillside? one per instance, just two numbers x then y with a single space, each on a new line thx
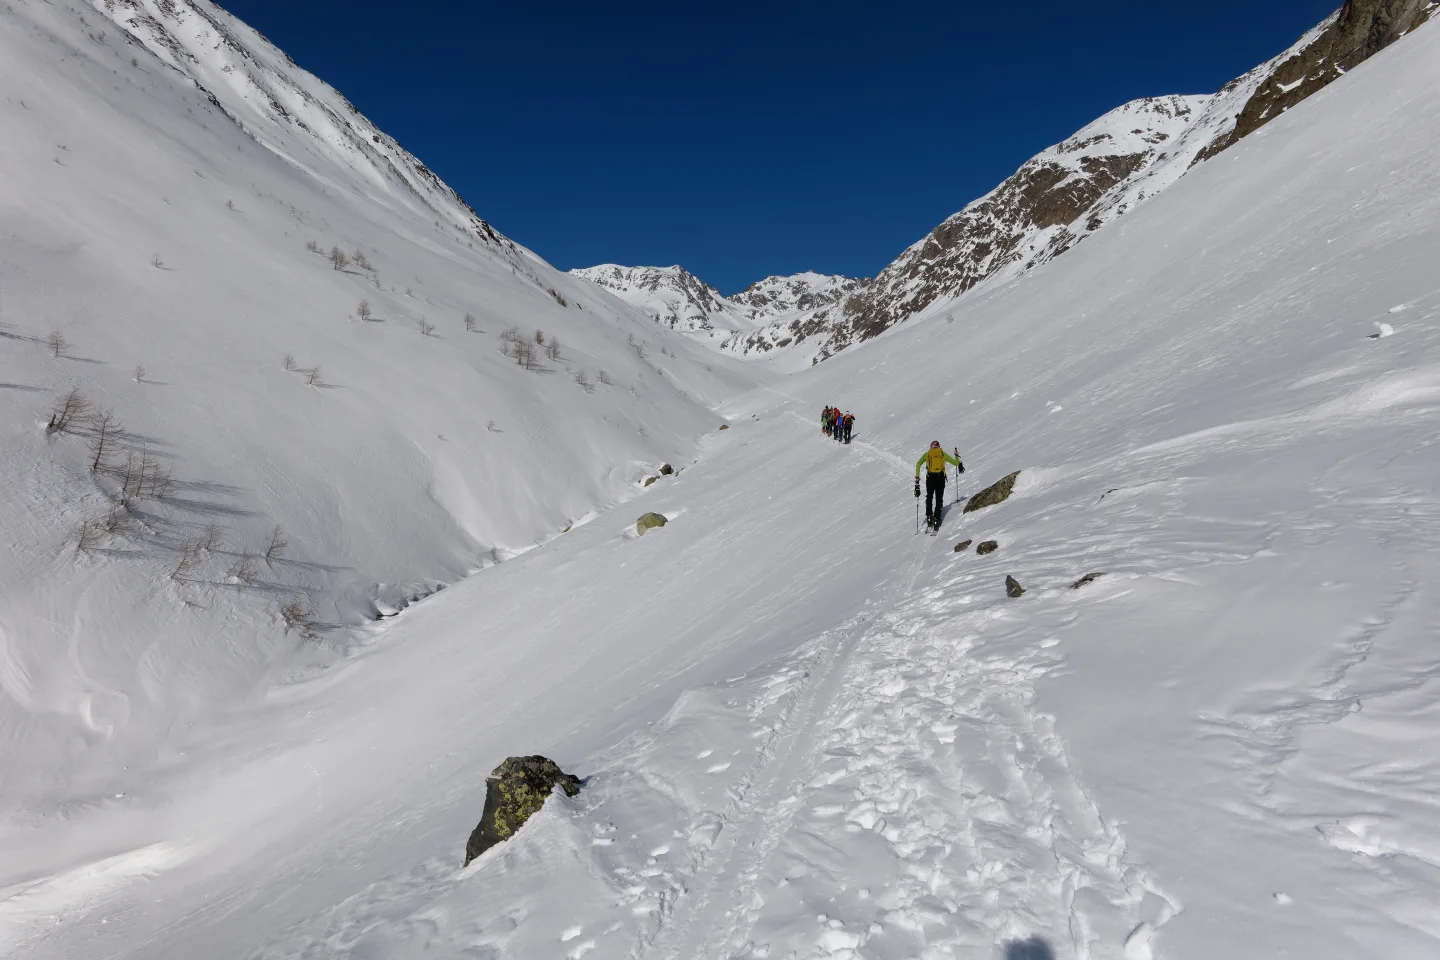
1069 191
1207 728
316 389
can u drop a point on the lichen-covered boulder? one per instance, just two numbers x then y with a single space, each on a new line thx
992 495
649 522
989 546
515 791
666 470
724 426
963 545
650 480
1013 588
1088 578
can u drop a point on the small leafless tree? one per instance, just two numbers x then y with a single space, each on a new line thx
244 570
298 615
409 292
469 323
362 261
540 337
118 521
56 343
288 362
524 354
229 204
212 538
312 246
604 378
552 349
314 378
426 328
89 534
275 547
584 382
491 427
338 259
156 480
139 373
363 311
157 262
105 427
191 553
69 412
510 335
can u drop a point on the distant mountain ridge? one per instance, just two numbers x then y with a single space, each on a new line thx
681 301
1069 191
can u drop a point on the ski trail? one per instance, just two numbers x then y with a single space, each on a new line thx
874 452
917 778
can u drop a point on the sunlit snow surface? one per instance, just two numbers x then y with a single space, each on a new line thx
805 731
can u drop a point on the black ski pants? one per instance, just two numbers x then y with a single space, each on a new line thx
934 495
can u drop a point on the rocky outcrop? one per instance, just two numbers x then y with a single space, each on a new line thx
1088 578
666 470
987 548
649 522
1360 30
515 792
1013 590
994 494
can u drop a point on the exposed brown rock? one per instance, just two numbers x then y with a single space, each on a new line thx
963 545
1361 29
994 494
987 548
1013 588
514 792
1088 578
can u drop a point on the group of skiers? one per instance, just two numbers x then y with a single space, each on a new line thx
836 424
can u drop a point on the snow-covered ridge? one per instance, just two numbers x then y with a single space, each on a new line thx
1069 191
681 301
292 112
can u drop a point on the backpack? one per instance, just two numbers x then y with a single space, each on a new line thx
935 460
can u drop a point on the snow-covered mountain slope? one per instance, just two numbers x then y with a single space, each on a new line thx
673 296
1066 193
153 257
807 732
679 300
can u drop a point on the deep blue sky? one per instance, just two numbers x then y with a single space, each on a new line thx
747 139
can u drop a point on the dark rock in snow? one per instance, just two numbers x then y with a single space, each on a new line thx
963 545
1088 578
989 546
650 480
724 426
992 495
650 521
1013 588
666 470
514 792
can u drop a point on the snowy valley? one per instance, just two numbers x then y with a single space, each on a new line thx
360 527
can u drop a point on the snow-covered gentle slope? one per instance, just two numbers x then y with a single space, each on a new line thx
147 228
807 732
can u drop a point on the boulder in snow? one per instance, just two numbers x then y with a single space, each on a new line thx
1013 588
989 546
963 545
650 480
990 496
1088 578
650 521
514 792
666 470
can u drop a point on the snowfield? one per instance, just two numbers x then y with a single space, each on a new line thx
805 731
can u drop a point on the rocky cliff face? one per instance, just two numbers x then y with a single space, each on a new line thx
1361 29
1069 191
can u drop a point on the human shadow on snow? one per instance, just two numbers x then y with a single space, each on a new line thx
1034 948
